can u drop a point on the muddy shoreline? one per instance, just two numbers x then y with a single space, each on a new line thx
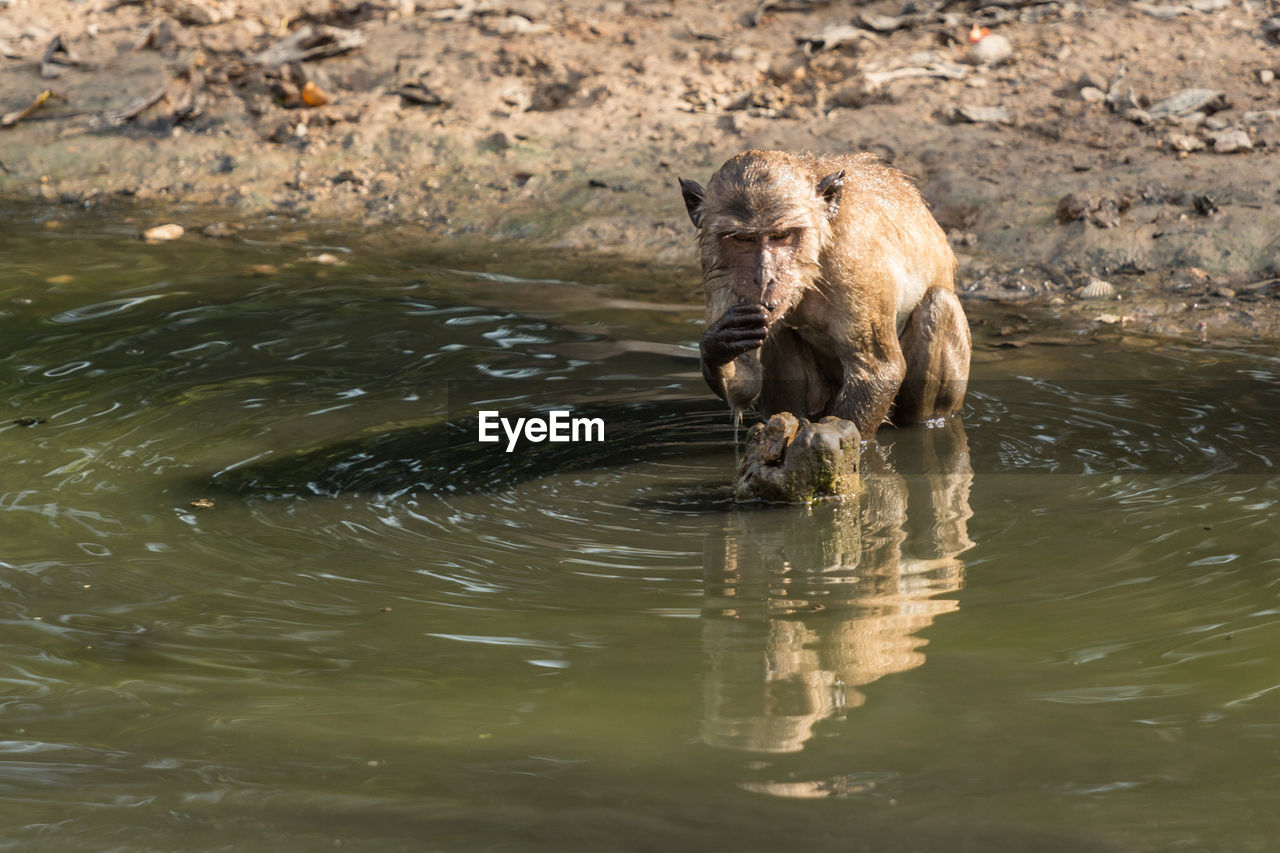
1134 145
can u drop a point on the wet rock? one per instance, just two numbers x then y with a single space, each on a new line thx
162 233
791 460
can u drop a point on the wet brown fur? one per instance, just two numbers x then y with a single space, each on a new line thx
862 318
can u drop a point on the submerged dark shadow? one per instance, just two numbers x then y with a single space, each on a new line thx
445 457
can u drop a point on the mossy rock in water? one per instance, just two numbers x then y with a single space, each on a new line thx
790 460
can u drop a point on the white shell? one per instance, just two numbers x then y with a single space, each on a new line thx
1097 289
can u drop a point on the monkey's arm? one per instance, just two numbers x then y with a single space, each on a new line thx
729 361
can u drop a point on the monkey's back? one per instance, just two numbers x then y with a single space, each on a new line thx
885 244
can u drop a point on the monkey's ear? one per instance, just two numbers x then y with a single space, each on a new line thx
693 195
829 188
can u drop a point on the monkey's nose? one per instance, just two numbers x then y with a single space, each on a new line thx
770 306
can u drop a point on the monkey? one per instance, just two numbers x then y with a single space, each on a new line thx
829 291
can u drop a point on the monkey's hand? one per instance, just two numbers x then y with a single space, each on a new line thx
739 330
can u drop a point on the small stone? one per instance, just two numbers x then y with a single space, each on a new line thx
1187 101
1232 141
981 115
324 259
517 97
1072 207
1185 142
1266 76
1225 293
991 50
1105 213
221 229
1093 95
161 233
314 96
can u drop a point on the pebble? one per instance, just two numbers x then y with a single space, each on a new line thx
1232 141
220 229
160 233
1266 76
1093 95
991 50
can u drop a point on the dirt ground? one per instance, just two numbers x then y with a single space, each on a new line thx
1115 163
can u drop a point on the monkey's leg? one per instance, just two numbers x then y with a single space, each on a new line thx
868 392
936 345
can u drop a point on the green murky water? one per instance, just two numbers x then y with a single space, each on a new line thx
383 635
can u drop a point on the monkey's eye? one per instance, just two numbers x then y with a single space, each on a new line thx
783 237
743 237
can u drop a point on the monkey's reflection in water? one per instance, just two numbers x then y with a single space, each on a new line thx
803 608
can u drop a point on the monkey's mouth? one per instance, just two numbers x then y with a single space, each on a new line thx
775 312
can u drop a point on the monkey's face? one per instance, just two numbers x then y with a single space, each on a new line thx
762 223
772 267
